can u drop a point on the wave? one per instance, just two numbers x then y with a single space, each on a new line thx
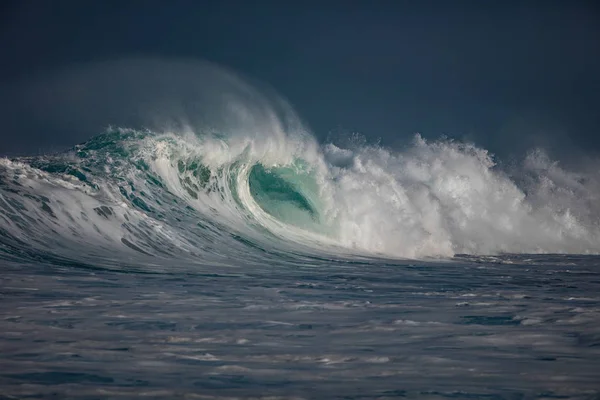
210 170
137 196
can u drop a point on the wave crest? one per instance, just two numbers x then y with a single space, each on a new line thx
212 198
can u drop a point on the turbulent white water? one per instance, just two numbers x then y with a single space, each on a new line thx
170 195
444 197
224 166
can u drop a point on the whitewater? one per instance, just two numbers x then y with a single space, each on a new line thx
243 258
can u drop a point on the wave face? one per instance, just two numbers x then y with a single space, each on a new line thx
135 196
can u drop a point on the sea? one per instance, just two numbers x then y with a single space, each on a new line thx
204 265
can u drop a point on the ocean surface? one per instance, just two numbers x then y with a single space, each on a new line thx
217 266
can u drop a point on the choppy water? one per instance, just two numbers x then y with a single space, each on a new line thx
515 327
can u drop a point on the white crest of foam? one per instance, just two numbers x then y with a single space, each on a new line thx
442 198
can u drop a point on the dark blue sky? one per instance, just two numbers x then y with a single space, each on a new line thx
506 74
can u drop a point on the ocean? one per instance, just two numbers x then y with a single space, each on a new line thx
143 264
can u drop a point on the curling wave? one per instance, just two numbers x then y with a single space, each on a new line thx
136 195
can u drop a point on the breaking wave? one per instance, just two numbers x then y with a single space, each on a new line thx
216 172
138 195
